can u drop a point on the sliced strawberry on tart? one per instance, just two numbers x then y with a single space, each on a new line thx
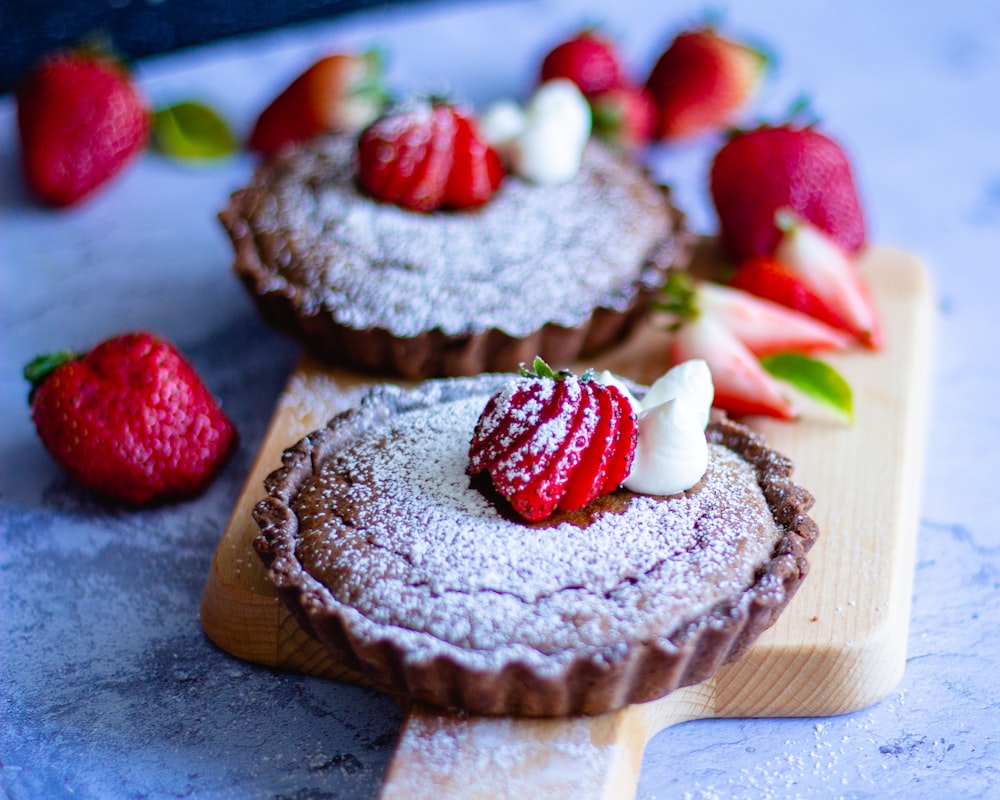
554 440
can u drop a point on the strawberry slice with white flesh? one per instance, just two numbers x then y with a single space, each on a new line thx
742 386
766 327
828 271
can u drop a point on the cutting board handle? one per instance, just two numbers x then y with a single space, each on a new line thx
584 758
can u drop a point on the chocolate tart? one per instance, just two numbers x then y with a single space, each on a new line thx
556 271
376 539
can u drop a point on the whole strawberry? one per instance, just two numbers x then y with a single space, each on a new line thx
554 441
130 419
427 155
80 120
340 92
589 59
756 173
624 117
701 81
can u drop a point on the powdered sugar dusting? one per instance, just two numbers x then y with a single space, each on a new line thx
393 529
445 751
530 256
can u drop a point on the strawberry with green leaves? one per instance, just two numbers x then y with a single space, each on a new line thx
130 419
553 441
625 116
751 346
340 92
759 172
426 155
701 81
81 119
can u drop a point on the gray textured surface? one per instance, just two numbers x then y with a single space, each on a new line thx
107 686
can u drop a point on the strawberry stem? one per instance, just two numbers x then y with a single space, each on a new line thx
40 367
679 297
539 369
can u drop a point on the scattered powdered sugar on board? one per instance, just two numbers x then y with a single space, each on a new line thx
315 397
530 256
396 533
443 752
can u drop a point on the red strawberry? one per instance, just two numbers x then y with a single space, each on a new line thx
80 120
406 157
701 81
130 419
341 92
476 170
428 155
589 59
553 441
742 386
592 469
758 172
624 116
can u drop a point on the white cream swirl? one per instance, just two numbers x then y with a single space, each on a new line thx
544 142
671 453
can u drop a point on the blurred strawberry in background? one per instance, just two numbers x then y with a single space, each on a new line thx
80 119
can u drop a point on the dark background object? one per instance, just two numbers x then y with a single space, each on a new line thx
136 28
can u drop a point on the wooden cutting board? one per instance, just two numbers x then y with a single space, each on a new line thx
839 646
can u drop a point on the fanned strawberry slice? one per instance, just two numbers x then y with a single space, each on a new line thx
476 170
764 326
623 449
741 384
588 480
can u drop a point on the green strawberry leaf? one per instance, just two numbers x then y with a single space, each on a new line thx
40 367
191 131
678 297
815 379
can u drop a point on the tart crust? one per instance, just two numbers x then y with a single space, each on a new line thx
556 271
350 582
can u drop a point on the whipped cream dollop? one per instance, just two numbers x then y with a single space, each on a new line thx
671 453
544 141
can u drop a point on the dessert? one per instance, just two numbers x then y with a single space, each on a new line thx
423 579
556 270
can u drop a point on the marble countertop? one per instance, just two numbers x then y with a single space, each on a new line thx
108 687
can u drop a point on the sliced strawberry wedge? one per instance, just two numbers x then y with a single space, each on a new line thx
476 170
764 326
766 278
589 474
592 467
741 385
620 463
827 271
